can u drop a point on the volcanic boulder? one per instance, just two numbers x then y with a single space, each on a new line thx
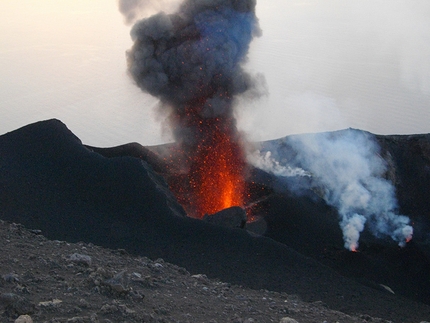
232 217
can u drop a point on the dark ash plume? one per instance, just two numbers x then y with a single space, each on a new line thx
193 57
192 61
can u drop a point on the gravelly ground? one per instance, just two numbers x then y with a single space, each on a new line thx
56 281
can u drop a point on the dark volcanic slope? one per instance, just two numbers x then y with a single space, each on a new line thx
309 226
50 181
408 158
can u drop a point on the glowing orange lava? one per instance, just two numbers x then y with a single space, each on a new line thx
353 247
215 163
216 174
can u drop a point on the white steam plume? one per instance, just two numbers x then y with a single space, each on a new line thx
348 166
266 162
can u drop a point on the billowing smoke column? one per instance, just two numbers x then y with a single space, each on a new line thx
191 60
347 165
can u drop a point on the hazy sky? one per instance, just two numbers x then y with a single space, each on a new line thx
328 65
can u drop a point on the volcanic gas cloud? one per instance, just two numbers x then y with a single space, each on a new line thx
192 61
350 173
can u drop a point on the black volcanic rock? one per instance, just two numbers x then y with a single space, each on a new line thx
50 181
408 160
232 217
134 150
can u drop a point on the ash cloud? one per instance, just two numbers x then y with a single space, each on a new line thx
192 61
195 57
348 167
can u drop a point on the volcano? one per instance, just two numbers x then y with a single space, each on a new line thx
119 198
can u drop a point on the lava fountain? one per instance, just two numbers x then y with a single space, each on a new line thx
217 169
192 61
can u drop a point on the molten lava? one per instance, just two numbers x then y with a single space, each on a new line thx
216 173
215 164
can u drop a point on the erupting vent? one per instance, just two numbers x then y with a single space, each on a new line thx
215 164
216 173
192 61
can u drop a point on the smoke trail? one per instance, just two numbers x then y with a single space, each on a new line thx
348 166
192 61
